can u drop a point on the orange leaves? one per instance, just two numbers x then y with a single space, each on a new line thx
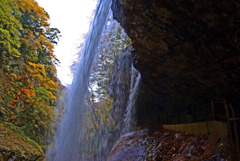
27 92
23 76
14 100
11 117
49 108
24 41
21 122
23 89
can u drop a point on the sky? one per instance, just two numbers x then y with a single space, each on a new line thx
72 18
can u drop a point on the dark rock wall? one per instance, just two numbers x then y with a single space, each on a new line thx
186 51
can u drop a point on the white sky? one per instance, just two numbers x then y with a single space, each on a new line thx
72 18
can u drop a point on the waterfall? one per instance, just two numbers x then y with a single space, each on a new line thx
100 105
69 136
130 120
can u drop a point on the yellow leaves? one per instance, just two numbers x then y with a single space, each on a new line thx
37 71
52 97
15 53
49 49
13 76
42 38
38 45
50 85
49 45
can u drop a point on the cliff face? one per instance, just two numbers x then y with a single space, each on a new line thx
186 51
120 86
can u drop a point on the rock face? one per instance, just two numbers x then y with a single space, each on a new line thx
168 146
186 51
120 86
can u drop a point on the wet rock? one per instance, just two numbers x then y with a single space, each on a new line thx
120 86
129 147
169 146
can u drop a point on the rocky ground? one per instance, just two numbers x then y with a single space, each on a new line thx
165 145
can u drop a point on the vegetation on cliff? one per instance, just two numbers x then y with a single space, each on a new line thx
16 145
28 84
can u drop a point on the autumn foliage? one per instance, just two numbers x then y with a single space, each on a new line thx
28 83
